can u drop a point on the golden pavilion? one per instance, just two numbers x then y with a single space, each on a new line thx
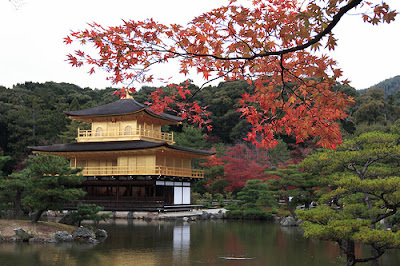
128 162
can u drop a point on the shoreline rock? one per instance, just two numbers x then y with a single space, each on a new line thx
288 221
79 235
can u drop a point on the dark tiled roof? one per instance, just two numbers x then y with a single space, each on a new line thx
120 107
113 146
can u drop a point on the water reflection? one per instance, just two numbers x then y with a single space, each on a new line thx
181 244
177 243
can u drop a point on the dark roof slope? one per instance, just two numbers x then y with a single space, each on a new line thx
120 107
113 146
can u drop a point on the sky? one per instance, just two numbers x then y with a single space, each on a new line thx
32 32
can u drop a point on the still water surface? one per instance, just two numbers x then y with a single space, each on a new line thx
177 243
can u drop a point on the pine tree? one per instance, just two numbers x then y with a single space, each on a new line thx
365 189
51 184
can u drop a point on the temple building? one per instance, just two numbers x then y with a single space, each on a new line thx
128 162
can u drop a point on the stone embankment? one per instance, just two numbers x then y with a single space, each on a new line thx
80 235
186 216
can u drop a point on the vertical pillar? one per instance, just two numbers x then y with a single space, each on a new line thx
165 164
117 192
154 191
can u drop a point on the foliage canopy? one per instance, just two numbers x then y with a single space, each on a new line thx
269 43
363 175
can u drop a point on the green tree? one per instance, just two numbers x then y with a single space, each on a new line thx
295 183
3 160
11 192
191 137
222 101
32 114
51 184
255 195
365 189
70 134
88 212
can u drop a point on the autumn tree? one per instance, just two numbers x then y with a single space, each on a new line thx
364 177
242 163
269 43
214 172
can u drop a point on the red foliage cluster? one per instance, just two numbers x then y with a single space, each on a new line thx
244 163
269 43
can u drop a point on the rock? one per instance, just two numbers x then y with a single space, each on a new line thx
205 215
39 240
92 241
82 232
150 216
21 234
67 220
288 221
276 218
84 235
62 236
49 214
100 233
213 216
186 219
220 215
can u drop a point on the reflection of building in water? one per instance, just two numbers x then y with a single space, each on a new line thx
128 161
181 244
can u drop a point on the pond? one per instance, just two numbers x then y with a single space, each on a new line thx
176 243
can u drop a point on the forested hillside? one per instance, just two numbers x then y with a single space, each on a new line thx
32 114
389 86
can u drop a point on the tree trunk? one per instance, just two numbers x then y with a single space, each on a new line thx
374 253
286 198
17 204
349 248
37 216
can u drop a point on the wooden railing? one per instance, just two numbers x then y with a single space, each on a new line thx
129 170
134 134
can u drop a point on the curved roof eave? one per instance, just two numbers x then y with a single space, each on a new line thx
114 146
121 107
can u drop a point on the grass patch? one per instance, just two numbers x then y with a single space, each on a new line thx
41 229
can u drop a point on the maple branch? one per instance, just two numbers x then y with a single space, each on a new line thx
335 20
296 77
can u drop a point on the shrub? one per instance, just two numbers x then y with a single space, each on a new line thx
234 214
88 212
249 214
256 214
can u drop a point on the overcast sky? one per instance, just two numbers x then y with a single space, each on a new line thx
32 48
